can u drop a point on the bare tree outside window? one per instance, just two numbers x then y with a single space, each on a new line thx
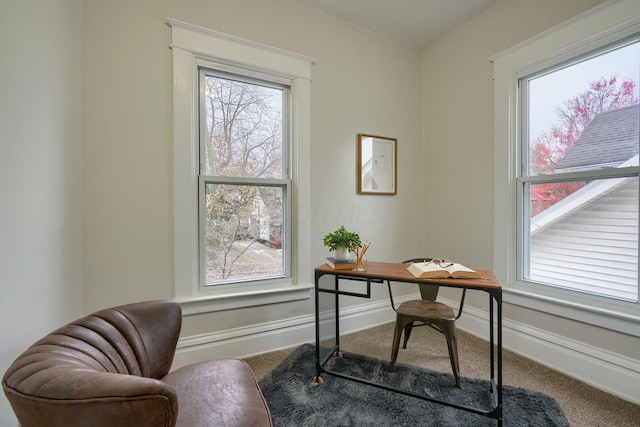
244 129
242 159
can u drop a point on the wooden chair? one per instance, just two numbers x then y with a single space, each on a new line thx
426 312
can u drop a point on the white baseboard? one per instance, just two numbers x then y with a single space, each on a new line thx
602 369
597 367
278 335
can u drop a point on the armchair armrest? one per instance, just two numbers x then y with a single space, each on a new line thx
81 397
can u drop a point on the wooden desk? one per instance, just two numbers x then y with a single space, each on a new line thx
379 272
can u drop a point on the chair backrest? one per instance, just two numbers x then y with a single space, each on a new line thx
102 369
427 292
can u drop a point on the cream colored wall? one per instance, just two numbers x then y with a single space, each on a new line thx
459 140
362 82
40 174
458 123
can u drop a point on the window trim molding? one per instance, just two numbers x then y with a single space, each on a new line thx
191 45
596 27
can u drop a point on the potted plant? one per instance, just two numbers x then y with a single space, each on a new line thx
341 242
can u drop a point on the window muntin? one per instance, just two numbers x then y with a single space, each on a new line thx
577 187
244 187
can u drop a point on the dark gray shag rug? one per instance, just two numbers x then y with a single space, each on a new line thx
295 400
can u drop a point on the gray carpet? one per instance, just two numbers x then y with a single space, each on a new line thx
295 400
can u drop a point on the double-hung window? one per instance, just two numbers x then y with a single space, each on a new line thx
566 176
577 187
245 196
241 184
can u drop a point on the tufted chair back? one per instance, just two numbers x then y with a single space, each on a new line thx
101 370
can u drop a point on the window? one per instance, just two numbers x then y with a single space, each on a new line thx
566 168
244 186
578 183
241 187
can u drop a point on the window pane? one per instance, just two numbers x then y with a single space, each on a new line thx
572 108
581 232
243 129
587 241
244 232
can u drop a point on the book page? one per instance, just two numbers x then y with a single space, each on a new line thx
431 270
423 270
459 270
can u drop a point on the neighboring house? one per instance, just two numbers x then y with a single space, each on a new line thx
588 240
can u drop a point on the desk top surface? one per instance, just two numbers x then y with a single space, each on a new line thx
399 272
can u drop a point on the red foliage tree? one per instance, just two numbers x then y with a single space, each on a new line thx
551 147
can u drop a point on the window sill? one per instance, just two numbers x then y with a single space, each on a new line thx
230 299
605 317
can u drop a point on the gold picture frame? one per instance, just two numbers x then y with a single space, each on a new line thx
377 164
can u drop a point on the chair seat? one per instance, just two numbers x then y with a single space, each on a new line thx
433 313
426 309
221 392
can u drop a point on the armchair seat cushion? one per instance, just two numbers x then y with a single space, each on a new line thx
218 393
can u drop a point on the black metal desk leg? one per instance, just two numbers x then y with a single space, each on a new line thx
337 308
499 304
491 337
317 378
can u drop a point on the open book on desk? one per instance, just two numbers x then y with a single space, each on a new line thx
434 270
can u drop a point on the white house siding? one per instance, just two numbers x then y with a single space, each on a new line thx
594 249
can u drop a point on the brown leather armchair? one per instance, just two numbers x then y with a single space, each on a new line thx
111 368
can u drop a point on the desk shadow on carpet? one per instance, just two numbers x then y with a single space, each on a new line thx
295 400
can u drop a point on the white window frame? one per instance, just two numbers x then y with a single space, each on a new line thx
600 26
283 183
192 47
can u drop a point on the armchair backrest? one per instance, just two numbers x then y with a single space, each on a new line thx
103 369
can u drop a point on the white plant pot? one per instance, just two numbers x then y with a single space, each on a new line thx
341 254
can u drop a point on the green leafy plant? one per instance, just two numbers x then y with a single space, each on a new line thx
341 238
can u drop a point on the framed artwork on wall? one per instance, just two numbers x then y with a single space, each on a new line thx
376 164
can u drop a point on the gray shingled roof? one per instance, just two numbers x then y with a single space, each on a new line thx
610 139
